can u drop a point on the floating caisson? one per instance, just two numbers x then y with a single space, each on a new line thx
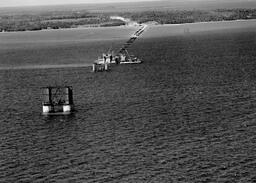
57 100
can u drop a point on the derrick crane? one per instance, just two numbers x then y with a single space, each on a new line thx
122 56
133 38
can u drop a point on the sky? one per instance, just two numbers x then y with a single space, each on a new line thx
11 3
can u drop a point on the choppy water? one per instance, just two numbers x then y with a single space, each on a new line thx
187 114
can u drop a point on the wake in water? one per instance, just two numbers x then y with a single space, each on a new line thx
44 66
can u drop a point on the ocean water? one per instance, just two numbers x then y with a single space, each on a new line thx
187 114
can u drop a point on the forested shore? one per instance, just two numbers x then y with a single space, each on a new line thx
71 19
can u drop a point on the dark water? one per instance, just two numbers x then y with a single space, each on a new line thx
187 114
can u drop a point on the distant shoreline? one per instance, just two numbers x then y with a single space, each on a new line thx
130 26
228 21
66 19
62 29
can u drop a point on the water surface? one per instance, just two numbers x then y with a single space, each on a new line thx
187 114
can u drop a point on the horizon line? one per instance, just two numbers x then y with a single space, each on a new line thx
89 3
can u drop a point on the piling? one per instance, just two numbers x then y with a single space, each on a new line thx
94 67
100 67
105 66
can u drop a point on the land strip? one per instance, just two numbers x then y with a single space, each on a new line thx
33 21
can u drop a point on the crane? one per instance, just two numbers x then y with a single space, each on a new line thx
122 56
133 38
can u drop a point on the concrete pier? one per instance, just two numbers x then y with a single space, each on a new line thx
57 100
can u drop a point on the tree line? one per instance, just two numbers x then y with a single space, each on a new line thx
54 20
72 19
191 16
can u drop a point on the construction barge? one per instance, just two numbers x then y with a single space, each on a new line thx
122 57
